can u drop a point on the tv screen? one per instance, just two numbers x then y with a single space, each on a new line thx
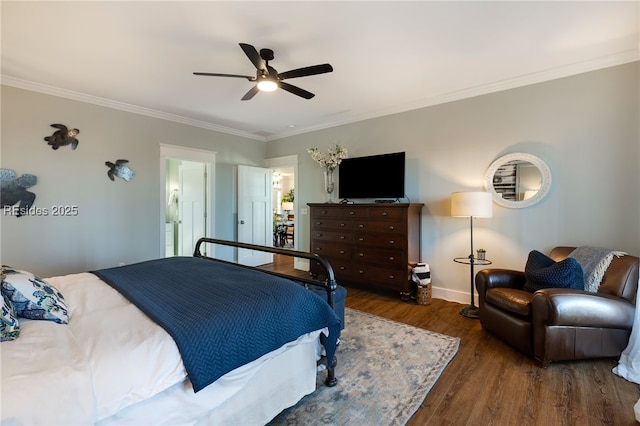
375 176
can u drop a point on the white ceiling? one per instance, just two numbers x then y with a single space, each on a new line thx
387 57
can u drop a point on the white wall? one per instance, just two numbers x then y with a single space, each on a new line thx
116 221
585 127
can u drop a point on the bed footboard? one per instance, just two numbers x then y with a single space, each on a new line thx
329 284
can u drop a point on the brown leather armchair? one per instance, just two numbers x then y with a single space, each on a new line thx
561 324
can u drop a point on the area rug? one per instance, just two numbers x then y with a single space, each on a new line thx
385 370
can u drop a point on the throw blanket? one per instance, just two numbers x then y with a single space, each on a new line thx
222 316
594 262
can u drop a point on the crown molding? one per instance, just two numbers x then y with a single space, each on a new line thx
108 103
620 58
625 57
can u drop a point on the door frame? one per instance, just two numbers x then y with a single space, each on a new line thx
177 152
291 161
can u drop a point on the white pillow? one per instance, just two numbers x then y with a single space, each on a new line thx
33 297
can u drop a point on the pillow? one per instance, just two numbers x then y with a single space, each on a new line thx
33 297
9 325
543 272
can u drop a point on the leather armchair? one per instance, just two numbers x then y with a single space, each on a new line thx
561 324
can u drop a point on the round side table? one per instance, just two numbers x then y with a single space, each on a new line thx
472 310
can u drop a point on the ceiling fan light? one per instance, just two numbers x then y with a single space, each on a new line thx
267 85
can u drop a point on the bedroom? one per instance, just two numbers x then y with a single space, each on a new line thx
585 126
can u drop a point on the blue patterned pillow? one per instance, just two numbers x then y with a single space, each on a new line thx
9 325
32 297
543 272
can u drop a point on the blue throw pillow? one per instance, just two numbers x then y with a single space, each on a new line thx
543 272
32 297
9 325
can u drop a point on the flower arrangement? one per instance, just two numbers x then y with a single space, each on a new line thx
332 159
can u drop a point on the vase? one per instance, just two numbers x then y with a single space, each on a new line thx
329 185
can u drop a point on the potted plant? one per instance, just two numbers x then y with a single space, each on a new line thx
482 254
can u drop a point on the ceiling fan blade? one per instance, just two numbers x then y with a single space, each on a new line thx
215 74
303 72
295 90
251 93
253 56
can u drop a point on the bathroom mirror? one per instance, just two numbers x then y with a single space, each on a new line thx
518 180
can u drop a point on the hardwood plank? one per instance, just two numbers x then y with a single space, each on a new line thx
490 383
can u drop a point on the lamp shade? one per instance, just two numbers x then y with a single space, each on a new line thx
287 205
471 204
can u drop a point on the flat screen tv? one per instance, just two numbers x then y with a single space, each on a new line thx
376 176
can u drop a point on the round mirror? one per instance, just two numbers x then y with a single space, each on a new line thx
518 180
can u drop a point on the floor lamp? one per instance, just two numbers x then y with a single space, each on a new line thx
471 204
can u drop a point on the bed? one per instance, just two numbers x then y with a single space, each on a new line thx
118 360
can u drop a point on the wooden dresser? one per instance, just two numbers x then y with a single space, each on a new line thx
370 244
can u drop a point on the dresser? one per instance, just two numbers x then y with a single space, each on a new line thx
370 244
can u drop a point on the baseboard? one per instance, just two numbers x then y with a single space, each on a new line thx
436 292
452 295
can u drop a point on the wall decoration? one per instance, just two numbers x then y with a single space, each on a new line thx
14 190
63 137
119 169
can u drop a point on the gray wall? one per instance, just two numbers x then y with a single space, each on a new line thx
116 221
585 127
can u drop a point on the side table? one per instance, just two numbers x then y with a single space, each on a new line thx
472 310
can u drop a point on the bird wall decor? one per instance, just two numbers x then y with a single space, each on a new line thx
62 137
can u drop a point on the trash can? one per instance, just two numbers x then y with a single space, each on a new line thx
421 276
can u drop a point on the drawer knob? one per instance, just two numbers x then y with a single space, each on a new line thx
342 237
342 268
318 235
391 258
384 213
391 277
341 251
351 213
392 228
360 239
361 225
361 254
391 242
361 271
342 225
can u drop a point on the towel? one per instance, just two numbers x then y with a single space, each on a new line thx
594 262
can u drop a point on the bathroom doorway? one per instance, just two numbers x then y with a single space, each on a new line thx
187 176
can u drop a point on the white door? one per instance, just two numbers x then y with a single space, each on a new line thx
192 202
254 213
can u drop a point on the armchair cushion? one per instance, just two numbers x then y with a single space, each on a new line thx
511 299
543 272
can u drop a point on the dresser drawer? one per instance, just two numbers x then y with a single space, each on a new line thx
379 226
353 211
342 268
387 258
380 240
343 237
396 278
386 213
331 250
326 212
332 224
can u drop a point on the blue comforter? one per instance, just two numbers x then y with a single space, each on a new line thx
222 316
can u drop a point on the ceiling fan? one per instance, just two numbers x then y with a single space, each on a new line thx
267 78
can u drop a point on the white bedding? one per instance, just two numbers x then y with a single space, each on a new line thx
111 356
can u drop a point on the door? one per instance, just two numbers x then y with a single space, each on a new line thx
192 202
254 213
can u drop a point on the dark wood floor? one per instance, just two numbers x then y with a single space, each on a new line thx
489 383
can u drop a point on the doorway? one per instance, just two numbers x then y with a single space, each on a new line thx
187 194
